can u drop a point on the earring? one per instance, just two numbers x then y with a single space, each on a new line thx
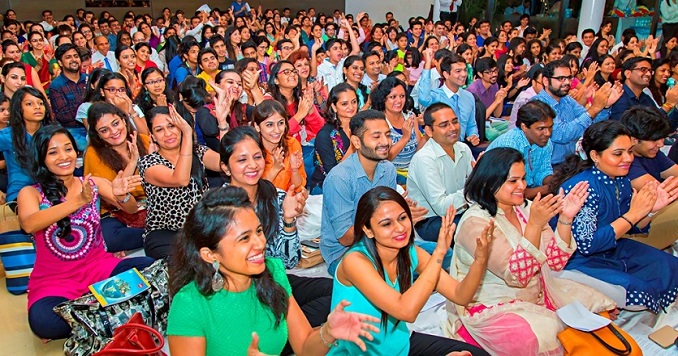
217 279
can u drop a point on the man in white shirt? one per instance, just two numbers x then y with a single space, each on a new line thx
587 38
449 10
48 22
331 70
372 69
436 74
102 54
438 171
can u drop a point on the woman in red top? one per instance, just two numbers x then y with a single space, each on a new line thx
143 52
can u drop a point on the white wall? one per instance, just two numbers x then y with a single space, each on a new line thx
401 9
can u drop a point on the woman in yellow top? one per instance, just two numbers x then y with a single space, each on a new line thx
116 146
284 160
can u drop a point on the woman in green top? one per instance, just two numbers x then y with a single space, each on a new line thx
228 299
376 274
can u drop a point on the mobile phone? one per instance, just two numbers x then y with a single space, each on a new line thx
670 82
314 243
664 337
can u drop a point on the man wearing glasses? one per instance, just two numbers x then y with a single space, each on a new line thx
438 171
636 75
571 118
486 87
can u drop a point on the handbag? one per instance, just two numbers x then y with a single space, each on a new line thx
134 338
136 220
610 340
17 252
93 326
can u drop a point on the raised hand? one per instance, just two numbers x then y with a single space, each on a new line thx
408 126
602 96
643 200
446 233
574 200
122 185
86 194
179 122
544 208
667 192
523 82
483 243
278 158
616 92
133 148
296 160
342 325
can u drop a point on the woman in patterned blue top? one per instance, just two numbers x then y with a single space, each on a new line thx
242 160
613 210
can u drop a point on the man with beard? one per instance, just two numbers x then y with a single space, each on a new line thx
353 177
636 75
486 87
67 90
531 137
438 171
571 118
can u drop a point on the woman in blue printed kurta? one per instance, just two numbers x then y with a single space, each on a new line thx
613 210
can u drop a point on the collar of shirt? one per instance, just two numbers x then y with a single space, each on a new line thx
548 99
631 94
449 93
439 151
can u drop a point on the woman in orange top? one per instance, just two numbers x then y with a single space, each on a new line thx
284 160
114 147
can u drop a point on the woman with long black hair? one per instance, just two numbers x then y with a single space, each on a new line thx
155 91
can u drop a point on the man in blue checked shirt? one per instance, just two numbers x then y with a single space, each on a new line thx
571 118
531 137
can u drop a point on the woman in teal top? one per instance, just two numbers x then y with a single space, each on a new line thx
376 275
228 299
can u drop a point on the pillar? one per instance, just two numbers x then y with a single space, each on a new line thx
591 15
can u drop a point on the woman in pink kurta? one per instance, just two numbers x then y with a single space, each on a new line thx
62 213
513 309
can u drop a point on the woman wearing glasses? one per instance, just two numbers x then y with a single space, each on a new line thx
154 92
113 88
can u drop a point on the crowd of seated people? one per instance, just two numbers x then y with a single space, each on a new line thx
445 155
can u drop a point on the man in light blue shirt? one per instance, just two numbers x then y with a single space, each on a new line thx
349 180
571 118
531 137
463 104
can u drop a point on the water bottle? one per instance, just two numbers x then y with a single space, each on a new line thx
670 83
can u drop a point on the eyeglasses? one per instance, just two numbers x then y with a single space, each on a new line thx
287 48
115 90
491 71
643 70
563 78
154 82
289 72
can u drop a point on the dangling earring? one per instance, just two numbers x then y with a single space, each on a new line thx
217 279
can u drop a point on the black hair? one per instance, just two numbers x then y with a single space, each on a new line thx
362 88
109 156
357 124
94 77
655 89
206 224
447 61
631 63
238 115
266 207
597 137
573 46
593 54
534 111
550 67
52 186
528 51
379 94
275 91
105 78
432 109
646 123
483 64
227 41
367 205
489 174
530 31
333 98
18 126
268 108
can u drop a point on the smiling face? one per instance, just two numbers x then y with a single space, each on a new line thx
346 106
375 142
246 164
112 130
608 66
61 155
241 250
232 84
395 100
272 129
303 67
390 226
355 72
164 133
616 160
445 128
511 193
15 79
128 59
143 54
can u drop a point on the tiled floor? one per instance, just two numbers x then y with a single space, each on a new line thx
16 337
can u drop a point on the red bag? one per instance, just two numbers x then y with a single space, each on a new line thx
137 219
134 338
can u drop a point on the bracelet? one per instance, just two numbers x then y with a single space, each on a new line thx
628 221
127 198
291 224
225 128
565 223
322 339
650 215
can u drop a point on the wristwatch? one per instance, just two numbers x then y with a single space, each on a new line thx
291 224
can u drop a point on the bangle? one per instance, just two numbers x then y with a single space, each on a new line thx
565 223
225 128
322 338
628 221
290 224
650 215
125 200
